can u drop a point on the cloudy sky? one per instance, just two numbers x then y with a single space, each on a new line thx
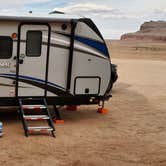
113 17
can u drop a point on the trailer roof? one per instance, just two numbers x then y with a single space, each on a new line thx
39 17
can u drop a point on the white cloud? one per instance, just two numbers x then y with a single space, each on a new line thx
85 9
98 10
160 11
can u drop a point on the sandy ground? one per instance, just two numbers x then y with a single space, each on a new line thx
133 133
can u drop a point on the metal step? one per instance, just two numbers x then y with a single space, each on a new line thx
35 104
31 107
40 128
36 117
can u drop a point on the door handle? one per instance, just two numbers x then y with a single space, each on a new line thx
21 61
14 82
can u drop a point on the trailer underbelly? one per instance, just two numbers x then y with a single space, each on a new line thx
59 100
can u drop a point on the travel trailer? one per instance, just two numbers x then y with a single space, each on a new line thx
60 59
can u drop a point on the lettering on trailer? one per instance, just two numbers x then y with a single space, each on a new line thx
4 65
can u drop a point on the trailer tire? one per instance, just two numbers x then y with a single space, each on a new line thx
111 84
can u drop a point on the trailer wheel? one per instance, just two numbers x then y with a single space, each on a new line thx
111 85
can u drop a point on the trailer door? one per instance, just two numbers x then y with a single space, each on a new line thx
33 53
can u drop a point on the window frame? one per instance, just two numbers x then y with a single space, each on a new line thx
11 47
41 36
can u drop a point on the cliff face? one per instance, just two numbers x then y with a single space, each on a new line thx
153 30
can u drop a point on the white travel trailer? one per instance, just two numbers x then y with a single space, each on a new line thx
63 60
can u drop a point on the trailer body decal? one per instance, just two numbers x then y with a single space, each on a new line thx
101 47
5 65
56 89
97 45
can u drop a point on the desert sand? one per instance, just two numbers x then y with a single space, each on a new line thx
133 133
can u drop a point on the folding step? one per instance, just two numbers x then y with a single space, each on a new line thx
41 129
36 117
33 107
33 104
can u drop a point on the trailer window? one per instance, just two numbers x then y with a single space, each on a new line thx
33 43
6 47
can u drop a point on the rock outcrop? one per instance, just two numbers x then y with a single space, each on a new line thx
153 30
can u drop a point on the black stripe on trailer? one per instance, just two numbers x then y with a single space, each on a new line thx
47 61
18 58
71 50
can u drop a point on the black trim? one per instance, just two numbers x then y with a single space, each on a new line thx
78 77
110 83
18 58
90 23
73 26
47 61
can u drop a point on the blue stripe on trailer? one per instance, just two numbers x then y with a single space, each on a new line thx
95 44
32 79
